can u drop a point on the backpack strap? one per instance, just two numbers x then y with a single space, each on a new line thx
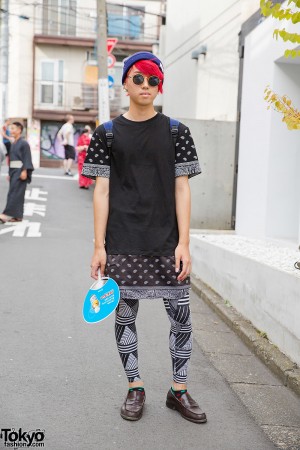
110 136
109 133
174 129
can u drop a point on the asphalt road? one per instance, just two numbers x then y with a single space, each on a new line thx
63 376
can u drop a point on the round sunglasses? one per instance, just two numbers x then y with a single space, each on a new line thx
139 79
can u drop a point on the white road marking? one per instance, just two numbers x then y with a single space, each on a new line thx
34 208
18 229
35 193
54 177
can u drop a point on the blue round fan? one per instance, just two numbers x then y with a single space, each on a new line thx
101 300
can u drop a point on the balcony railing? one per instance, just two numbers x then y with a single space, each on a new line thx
123 23
68 96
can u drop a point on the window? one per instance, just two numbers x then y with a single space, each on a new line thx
59 17
52 82
125 22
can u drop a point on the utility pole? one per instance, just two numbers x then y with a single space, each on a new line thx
103 96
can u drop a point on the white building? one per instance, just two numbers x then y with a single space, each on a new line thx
200 49
201 58
268 195
253 269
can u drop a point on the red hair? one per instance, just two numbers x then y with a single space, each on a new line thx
148 68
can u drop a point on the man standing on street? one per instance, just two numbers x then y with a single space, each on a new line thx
142 217
20 171
66 134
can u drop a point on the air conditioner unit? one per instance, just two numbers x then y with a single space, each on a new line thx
78 104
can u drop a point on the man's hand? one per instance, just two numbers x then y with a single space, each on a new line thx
98 262
182 253
23 175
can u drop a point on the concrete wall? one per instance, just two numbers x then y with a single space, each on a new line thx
212 190
268 198
267 296
205 89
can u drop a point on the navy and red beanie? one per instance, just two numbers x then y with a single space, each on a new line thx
139 56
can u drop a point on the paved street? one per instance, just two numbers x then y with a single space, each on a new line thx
64 376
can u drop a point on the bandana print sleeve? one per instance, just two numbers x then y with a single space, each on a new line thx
186 159
97 161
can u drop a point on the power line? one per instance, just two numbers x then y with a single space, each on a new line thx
52 22
21 16
202 40
94 9
201 29
63 8
137 9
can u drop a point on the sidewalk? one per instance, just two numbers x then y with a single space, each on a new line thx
272 405
64 376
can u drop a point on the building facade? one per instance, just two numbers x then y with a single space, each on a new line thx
52 64
268 198
201 58
200 50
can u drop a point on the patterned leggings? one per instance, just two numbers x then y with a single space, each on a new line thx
180 338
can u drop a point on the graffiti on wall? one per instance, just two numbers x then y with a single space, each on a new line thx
51 147
33 138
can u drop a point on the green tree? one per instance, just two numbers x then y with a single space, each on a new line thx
283 104
276 11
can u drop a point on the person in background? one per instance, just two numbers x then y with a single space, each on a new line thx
20 170
2 152
82 146
6 138
66 135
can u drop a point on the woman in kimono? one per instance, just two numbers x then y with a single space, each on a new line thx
82 146
20 170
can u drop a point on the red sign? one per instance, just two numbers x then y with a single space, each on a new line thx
111 43
111 60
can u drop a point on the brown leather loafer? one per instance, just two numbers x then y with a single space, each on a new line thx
186 406
132 408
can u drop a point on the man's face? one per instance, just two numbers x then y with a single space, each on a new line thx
15 131
142 94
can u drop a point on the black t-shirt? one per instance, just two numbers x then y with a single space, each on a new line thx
142 165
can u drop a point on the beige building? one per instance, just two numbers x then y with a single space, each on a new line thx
52 63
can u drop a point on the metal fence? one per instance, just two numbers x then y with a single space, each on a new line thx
62 96
122 22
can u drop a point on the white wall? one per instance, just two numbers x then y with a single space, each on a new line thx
20 60
265 295
205 89
268 191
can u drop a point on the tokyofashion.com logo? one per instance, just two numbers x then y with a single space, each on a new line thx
13 438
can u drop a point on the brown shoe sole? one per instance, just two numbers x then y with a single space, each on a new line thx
173 406
131 418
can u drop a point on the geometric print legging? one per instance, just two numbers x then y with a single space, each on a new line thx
180 338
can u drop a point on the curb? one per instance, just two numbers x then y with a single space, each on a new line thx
278 362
